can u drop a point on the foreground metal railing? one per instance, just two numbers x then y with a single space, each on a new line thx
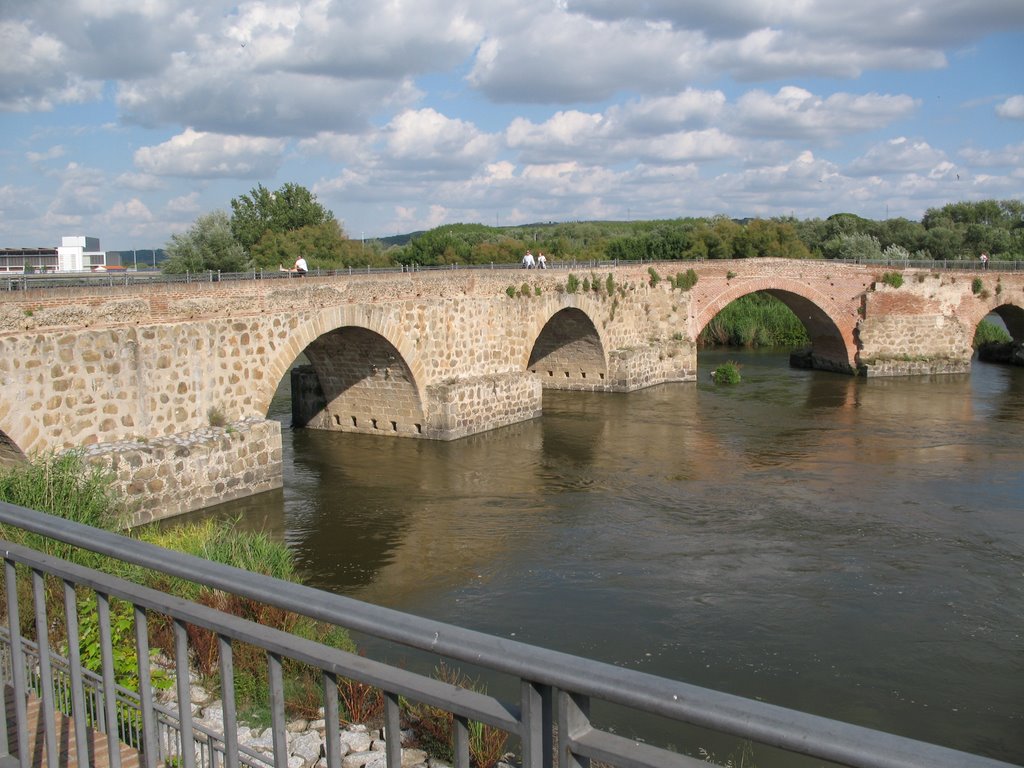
207 744
549 716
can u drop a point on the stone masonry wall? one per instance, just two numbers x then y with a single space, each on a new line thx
172 475
917 328
462 406
103 366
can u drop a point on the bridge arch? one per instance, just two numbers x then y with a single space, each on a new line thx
568 350
831 330
10 453
364 373
1011 315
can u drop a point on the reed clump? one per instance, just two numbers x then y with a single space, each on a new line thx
754 320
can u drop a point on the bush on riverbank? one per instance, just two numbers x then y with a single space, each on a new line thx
754 320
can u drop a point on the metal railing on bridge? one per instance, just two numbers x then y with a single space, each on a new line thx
125 278
547 715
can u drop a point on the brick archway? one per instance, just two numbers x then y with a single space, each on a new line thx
1011 314
830 328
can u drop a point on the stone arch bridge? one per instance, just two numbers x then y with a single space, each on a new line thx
169 385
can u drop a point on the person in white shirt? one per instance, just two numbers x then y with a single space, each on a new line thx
542 262
300 266
528 261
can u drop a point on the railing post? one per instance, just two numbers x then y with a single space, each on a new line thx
331 731
573 722
393 730
275 678
537 732
45 669
78 712
109 709
17 662
460 741
150 744
227 695
187 750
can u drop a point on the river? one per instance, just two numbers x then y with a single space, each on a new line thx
848 547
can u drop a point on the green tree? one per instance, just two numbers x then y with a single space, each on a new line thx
323 246
208 245
943 243
290 208
853 247
901 232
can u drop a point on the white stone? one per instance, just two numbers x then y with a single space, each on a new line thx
263 742
364 760
309 746
356 742
413 757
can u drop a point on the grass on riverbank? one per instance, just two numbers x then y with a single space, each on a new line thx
68 487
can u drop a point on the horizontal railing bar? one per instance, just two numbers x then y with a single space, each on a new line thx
427 690
629 753
758 721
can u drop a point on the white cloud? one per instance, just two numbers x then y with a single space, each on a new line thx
896 156
140 182
81 192
16 204
35 71
185 204
53 153
1009 156
558 57
208 155
418 138
1012 108
518 110
133 210
794 112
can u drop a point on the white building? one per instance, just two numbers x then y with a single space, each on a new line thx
78 253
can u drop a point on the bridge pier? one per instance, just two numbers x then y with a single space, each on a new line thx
659 362
174 474
454 408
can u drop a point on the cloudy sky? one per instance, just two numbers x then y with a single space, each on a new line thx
127 119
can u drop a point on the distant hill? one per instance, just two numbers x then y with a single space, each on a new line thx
398 240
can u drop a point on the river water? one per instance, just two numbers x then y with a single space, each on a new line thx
852 548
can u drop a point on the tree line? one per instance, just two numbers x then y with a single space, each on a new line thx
266 229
